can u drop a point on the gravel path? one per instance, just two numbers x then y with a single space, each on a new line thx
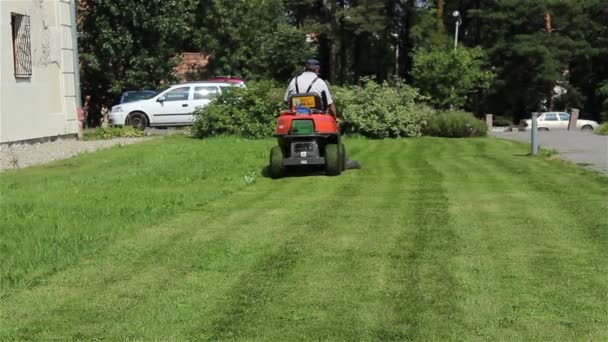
24 155
585 149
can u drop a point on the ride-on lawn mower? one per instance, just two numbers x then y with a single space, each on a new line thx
307 136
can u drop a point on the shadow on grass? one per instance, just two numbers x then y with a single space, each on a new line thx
297 171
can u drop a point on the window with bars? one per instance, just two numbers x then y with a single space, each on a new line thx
22 52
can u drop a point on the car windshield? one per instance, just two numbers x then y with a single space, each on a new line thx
137 96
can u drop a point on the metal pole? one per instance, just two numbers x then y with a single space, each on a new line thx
456 35
534 142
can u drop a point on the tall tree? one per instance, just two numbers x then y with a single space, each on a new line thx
250 38
529 59
129 45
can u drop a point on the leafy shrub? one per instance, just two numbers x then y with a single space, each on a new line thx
372 110
501 121
448 78
455 125
249 112
381 110
603 129
104 133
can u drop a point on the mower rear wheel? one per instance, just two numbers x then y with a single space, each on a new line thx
333 160
276 167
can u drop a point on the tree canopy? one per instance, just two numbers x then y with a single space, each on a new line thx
514 56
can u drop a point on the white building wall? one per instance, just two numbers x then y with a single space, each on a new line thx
43 105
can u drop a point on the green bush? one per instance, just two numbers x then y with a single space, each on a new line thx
603 129
372 110
455 125
381 110
104 133
502 121
450 77
249 112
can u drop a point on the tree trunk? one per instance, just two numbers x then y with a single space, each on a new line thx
333 53
440 10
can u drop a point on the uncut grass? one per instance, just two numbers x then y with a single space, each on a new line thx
434 239
201 255
51 216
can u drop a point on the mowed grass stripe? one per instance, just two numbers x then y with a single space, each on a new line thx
244 309
332 287
515 248
423 290
565 184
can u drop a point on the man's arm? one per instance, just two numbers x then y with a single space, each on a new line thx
289 90
332 110
331 106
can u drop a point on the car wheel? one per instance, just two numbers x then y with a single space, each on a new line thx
138 120
543 129
587 128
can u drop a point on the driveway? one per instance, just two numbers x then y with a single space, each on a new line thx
585 149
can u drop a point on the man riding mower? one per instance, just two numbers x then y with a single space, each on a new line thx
308 133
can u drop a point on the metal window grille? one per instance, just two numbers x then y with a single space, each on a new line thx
22 51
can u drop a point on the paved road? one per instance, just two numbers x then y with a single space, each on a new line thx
582 148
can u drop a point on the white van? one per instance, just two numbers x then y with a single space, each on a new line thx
172 107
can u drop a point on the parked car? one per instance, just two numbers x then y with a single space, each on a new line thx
136 95
174 106
552 121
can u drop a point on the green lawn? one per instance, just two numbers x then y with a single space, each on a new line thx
176 238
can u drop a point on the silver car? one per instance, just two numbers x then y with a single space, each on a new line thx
553 121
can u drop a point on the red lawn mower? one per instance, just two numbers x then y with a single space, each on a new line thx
307 136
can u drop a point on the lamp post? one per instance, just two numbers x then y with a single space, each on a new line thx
458 18
396 36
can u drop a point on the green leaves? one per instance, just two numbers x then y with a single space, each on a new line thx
373 110
128 45
381 110
249 112
448 78
250 38
455 125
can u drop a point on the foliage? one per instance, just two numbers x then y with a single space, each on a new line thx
448 78
372 110
355 38
249 112
455 125
501 121
282 53
129 45
249 38
104 133
603 129
381 110
536 45
134 44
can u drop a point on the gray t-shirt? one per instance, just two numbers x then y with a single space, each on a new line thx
304 81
